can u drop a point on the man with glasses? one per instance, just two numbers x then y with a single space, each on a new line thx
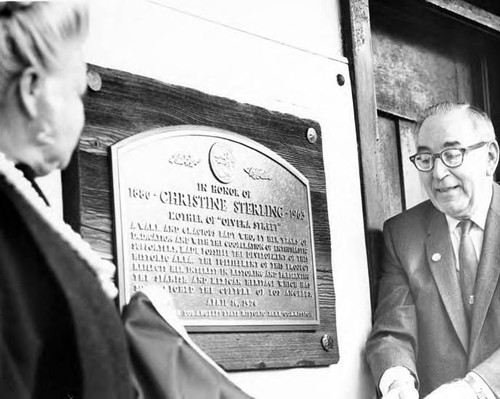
437 325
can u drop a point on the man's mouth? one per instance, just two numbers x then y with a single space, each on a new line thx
444 190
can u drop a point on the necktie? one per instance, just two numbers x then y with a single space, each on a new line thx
468 265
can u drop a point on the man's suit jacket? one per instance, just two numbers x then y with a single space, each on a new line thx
420 321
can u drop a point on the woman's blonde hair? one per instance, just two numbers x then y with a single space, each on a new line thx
34 34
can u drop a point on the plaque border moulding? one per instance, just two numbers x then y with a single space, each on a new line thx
134 142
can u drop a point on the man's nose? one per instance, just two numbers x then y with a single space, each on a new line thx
440 170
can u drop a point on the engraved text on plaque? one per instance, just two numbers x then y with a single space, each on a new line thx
219 222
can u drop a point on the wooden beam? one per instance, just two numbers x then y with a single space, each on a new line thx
359 52
472 14
358 49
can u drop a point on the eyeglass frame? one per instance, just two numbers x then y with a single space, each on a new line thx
439 155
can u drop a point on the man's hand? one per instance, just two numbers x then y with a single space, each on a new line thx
402 390
459 389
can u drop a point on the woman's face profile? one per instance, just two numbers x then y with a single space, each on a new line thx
61 110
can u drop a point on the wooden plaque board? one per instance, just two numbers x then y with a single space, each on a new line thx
128 104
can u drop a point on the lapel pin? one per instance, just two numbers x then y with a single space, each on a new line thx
436 257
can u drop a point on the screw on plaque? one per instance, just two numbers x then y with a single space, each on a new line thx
312 136
327 342
94 81
340 79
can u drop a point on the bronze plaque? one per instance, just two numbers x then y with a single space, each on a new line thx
219 222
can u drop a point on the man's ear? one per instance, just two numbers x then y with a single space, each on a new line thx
30 87
493 154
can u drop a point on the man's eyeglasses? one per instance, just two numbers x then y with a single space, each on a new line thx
451 157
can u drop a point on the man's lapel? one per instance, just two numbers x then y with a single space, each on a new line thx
489 266
442 264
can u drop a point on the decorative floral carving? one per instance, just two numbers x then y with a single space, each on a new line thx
184 160
258 174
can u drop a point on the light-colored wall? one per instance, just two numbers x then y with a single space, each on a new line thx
284 55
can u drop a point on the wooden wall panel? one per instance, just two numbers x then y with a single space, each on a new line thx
413 190
413 70
478 16
358 42
129 104
389 172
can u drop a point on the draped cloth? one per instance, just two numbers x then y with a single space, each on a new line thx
166 363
